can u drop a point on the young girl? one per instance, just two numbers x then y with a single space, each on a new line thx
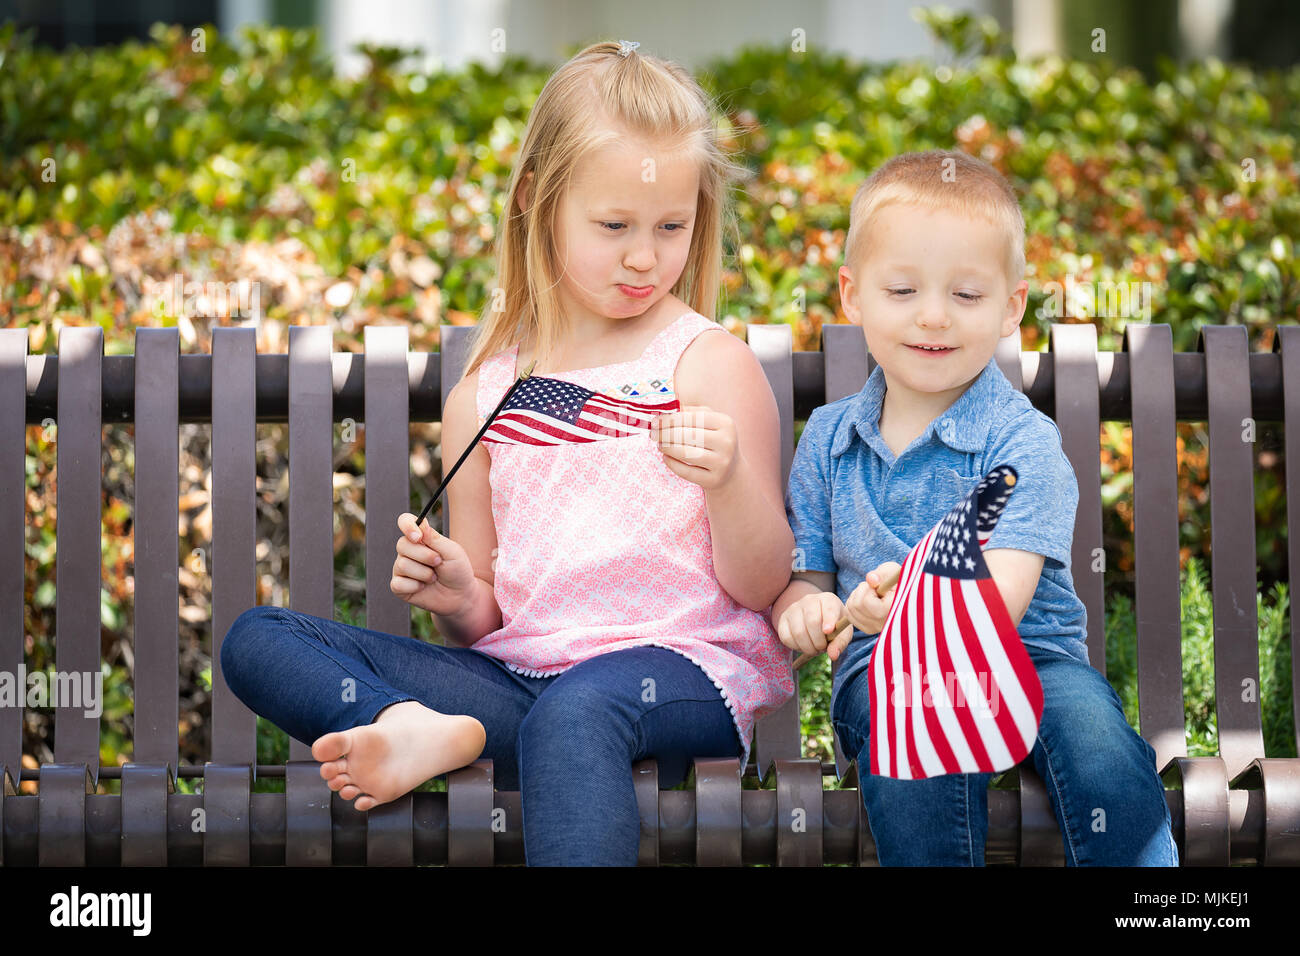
603 601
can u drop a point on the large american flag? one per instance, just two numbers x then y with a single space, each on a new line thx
952 687
548 411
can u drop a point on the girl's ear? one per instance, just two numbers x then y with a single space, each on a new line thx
524 184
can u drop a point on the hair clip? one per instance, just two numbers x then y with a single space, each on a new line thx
626 46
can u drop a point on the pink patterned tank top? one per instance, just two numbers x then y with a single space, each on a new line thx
600 546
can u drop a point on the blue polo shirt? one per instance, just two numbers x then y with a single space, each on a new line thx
853 505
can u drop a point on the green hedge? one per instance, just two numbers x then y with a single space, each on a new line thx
1121 179
251 159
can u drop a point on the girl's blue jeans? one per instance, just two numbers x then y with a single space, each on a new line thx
566 743
1099 773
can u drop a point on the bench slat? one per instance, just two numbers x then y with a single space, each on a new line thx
157 573
61 806
645 783
1008 359
13 517
311 471
8 787
79 447
227 814
1077 385
1287 341
776 737
455 344
234 527
1232 544
845 349
308 812
388 483
145 791
469 815
311 565
390 827
1155 540
717 811
390 832
799 822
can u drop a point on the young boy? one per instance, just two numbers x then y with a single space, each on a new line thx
934 273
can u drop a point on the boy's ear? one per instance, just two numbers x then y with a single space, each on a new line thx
849 295
1015 308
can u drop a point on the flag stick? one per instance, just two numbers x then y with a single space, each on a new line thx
889 580
486 425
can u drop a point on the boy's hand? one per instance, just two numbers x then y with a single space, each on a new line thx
867 608
806 624
866 602
698 444
431 571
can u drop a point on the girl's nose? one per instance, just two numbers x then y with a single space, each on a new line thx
641 256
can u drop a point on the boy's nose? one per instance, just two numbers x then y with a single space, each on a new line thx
932 315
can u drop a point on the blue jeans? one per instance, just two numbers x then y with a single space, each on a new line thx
566 743
1099 773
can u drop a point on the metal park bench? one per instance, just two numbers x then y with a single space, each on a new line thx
1236 807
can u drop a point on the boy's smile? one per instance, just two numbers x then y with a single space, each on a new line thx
933 297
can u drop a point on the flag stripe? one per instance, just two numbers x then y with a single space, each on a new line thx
912 714
1021 687
886 672
1013 700
968 658
878 669
539 430
950 654
896 748
632 403
649 409
924 722
507 433
588 427
944 725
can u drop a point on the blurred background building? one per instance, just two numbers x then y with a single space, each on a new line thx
452 33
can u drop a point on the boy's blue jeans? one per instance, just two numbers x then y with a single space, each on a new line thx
1099 773
567 742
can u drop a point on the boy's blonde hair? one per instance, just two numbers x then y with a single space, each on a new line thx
598 98
939 179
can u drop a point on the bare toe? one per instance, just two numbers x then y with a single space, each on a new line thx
332 746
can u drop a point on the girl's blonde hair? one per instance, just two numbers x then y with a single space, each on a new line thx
940 179
597 98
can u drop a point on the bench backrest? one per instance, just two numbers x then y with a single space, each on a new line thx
312 387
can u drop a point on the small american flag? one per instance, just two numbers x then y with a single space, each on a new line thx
548 411
952 687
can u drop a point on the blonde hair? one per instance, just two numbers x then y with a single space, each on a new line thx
595 99
939 179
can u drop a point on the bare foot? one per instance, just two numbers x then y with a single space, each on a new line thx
406 745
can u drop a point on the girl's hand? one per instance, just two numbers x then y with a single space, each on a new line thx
431 571
867 609
698 444
806 624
